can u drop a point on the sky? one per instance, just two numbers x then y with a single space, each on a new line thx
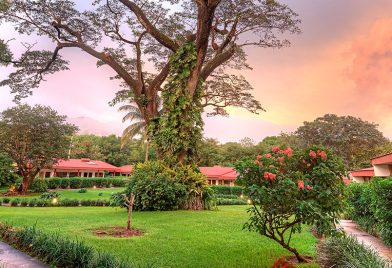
341 63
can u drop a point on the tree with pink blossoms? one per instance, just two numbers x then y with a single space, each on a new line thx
289 189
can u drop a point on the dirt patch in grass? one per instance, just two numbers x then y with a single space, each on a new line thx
293 259
117 231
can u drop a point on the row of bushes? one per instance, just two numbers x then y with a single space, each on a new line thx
348 252
370 204
35 202
225 202
228 190
57 251
41 185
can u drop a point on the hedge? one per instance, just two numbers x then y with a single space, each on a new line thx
370 204
230 190
77 182
67 202
224 202
57 251
347 252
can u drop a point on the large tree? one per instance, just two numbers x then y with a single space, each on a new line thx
350 137
127 34
34 138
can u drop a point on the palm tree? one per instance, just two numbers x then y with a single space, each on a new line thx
138 127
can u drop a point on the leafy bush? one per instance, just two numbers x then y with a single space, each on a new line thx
57 251
64 183
159 187
223 202
49 195
8 174
33 202
86 202
382 208
6 200
42 203
82 191
347 252
227 196
24 202
53 183
289 189
68 202
15 202
75 183
39 186
228 190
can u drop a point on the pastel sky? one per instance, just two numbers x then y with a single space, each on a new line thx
341 63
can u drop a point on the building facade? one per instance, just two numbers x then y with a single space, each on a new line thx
381 167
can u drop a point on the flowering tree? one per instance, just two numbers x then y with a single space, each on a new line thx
288 189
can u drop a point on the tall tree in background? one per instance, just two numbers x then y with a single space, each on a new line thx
350 137
216 33
34 138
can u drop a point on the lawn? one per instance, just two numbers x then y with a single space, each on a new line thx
171 239
90 194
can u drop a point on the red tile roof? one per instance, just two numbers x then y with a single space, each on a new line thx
382 159
365 172
83 164
125 169
218 172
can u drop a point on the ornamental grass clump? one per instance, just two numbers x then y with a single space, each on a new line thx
289 189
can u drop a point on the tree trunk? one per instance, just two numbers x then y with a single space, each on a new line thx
25 185
294 251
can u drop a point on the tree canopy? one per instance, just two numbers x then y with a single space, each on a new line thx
350 137
34 138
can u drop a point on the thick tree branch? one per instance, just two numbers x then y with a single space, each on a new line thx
215 62
150 28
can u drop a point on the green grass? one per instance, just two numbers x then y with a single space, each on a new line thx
172 239
91 193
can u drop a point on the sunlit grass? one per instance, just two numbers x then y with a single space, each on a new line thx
172 239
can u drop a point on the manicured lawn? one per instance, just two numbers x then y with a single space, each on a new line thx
90 194
172 239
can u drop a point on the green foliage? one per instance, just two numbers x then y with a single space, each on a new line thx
7 171
24 202
157 186
15 202
56 250
82 191
290 189
6 200
77 182
351 138
347 252
178 130
49 195
230 201
369 204
33 202
39 186
229 190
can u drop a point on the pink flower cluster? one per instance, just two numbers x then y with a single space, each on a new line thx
301 185
269 176
314 155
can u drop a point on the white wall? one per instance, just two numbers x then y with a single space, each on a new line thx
382 170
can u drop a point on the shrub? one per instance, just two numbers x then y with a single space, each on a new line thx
69 202
53 183
42 203
87 183
82 191
15 202
381 206
346 252
100 194
24 202
86 202
57 251
290 189
227 196
6 200
228 190
49 195
223 202
75 183
64 183
39 186
33 202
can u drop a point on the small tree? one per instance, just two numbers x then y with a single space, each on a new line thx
290 189
128 203
34 138
7 170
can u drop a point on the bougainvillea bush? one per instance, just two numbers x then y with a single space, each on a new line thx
289 189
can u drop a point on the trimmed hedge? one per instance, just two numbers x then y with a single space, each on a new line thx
225 202
57 251
370 204
77 182
347 252
67 202
229 190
